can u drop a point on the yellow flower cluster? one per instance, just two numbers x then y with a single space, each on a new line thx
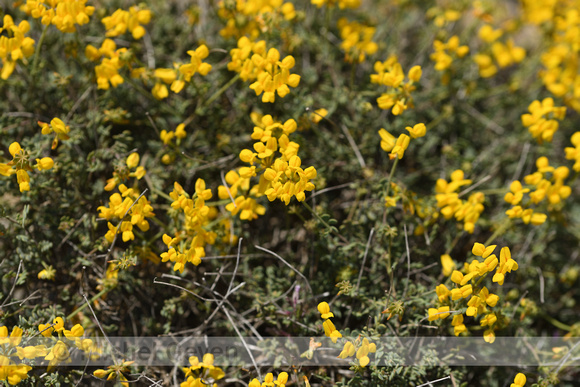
253 17
115 372
188 245
167 138
399 146
501 54
14 45
441 16
275 159
20 165
117 209
107 72
200 372
573 153
342 4
10 371
64 14
445 54
178 76
60 350
542 119
356 40
452 206
467 283
390 74
553 190
123 172
362 350
10 349
271 75
560 59
329 328
132 20
56 126
269 381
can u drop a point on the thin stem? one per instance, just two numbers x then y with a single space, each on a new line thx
556 323
37 51
389 186
83 306
500 230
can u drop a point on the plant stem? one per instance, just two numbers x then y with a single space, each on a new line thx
37 52
556 323
389 186
221 90
83 306
500 230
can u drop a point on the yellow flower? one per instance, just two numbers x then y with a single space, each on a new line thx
331 331
448 264
438 313
362 353
519 380
387 140
400 147
417 131
481 251
347 351
15 336
47 273
324 310
318 115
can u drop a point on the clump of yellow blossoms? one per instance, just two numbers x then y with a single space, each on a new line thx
64 14
342 4
188 244
116 371
329 328
361 348
122 173
58 127
60 351
573 153
547 187
10 371
132 20
113 59
502 54
452 206
176 77
399 146
167 139
560 58
471 295
446 53
264 67
275 159
390 74
119 208
542 119
253 17
202 373
356 40
442 16
15 46
269 381
20 165
271 75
